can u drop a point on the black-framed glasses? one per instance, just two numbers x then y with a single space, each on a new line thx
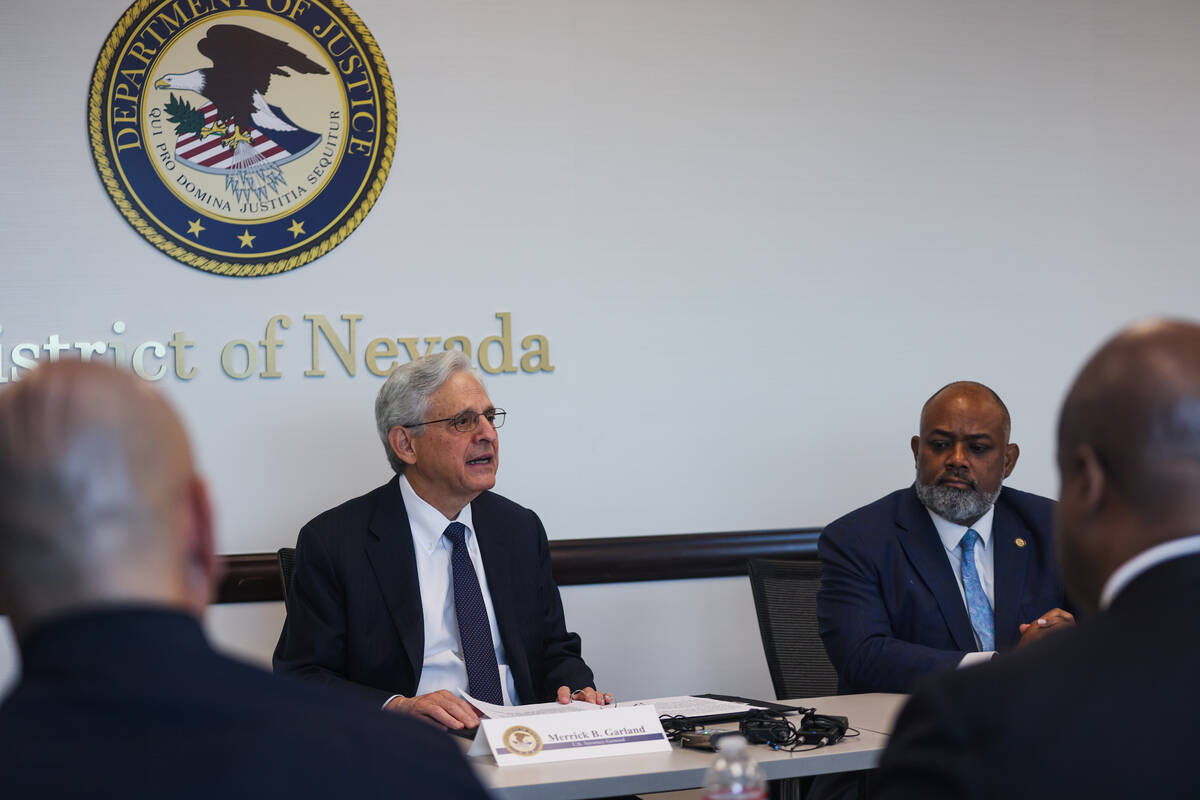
468 421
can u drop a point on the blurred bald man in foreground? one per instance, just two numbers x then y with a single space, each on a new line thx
106 565
1109 708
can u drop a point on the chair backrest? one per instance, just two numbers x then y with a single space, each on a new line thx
785 599
287 562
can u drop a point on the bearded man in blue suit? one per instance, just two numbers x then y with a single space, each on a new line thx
948 571
1040 723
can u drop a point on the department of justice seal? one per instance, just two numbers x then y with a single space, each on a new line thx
242 137
522 741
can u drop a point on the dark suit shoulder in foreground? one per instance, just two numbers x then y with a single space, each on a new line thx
134 703
1101 711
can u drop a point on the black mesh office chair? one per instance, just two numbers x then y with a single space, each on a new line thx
287 562
785 599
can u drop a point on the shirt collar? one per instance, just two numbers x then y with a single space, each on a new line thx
1143 561
427 523
951 533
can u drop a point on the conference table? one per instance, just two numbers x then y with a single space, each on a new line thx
871 714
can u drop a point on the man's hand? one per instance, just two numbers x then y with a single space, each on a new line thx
443 707
587 695
1054 619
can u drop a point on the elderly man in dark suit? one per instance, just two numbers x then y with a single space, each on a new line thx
948 571
1109 708
431 583
106 565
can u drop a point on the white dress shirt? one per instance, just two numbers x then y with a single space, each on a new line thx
951 534
444 667
1143 561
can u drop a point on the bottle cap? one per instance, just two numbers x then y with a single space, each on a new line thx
731 744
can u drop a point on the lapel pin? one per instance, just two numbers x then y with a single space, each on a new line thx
1019 542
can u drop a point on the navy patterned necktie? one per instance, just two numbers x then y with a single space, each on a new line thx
474 630
978 606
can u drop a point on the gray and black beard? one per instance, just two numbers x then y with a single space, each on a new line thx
962 506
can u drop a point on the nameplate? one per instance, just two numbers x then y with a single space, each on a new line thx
542 738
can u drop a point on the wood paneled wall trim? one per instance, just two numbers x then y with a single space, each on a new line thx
254 577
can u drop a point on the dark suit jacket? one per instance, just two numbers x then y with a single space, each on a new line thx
354 608
134 703
1106 710
889 605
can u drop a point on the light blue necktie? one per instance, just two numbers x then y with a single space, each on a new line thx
978 605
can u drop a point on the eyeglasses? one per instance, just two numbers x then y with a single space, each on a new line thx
468 421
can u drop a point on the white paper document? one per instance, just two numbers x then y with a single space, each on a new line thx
679 706
688 706
493 711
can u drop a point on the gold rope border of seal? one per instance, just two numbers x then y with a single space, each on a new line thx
213 265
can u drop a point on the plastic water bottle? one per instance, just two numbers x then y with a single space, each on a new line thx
734 775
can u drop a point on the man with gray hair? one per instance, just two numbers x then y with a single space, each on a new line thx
106 565
948 571
432 583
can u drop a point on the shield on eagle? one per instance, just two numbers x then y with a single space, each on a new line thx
209 153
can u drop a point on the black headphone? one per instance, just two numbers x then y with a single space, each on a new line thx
775 730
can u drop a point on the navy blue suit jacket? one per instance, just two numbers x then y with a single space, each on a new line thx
889 605
354 607
1106 709
133 702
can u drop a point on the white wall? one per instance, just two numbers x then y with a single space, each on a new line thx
757 234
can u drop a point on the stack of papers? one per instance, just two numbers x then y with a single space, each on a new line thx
492 711
688 706
679 706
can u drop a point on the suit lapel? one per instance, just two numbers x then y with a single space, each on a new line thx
1010 565
389 548
924 548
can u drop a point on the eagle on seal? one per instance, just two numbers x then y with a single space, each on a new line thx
243 63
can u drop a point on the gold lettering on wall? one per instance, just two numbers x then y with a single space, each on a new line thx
345 353
377 349
270 344
505 342
250 358
536 360
156 358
